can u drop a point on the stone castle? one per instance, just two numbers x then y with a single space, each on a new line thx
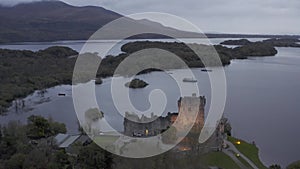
188 108
154 125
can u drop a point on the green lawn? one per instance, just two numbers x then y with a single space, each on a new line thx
219 159
241 159
294 165
249 150
105 140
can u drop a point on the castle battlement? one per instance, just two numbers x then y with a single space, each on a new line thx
143 119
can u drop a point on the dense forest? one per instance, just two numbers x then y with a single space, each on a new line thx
33 146
23 72
136 83
190 57
184 52
276 42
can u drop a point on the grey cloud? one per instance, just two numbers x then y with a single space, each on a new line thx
232 16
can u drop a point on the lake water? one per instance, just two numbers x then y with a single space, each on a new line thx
78 44
262 100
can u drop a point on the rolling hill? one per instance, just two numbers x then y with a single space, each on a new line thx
56 20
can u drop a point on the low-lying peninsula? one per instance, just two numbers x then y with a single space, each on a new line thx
275 42
22 71
186 54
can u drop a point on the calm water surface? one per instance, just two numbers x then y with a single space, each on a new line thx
262 102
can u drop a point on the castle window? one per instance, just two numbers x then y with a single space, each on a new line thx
146 132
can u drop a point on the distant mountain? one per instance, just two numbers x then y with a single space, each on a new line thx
55 20
50 21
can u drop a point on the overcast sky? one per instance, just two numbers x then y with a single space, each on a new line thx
223 16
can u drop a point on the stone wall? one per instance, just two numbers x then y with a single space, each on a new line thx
146 126
150 126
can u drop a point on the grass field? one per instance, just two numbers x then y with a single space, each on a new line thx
213 158
249 150
219 159
105 139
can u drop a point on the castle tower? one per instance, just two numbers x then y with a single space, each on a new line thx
187 106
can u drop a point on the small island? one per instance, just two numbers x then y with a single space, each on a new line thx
136 83
98 81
